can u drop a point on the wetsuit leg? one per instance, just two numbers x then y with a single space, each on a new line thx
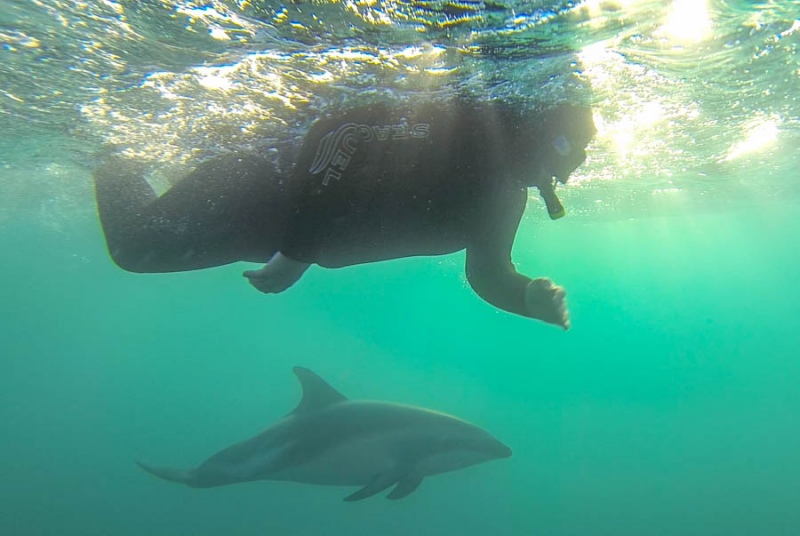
228 209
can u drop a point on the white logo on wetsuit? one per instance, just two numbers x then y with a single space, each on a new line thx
337 147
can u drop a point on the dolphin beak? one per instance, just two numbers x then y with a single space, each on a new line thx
501 451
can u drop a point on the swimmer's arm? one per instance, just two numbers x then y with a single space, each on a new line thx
492 274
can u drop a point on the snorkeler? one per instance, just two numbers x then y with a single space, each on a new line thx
373 184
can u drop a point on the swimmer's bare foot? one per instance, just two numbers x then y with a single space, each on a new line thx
277 275
546 301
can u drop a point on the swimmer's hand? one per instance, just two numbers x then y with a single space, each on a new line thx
277 275
547 301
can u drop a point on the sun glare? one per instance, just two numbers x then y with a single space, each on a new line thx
759 135
688 22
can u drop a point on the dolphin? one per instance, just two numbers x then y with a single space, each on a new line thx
331 440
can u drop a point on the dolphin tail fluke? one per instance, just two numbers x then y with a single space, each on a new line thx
181 476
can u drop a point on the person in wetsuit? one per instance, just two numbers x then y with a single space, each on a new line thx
373 184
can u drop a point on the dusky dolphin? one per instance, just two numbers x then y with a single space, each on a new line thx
331 440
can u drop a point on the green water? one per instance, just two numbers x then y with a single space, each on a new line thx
669 408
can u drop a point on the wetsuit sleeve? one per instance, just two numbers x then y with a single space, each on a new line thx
489 269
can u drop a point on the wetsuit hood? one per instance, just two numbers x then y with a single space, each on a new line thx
565 133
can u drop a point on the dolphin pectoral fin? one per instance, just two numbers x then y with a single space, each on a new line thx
376 485
405 487
181 476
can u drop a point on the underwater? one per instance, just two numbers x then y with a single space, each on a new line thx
668 408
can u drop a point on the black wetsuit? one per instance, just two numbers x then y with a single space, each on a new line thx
372 184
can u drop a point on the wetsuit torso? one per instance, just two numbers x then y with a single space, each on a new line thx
380 183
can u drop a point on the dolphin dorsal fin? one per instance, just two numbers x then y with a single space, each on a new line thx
317 394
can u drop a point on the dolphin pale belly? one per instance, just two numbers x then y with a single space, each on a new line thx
331 440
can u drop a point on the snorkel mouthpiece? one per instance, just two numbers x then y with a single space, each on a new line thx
554 207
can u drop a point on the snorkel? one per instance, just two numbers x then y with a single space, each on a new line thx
546 183
547 190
